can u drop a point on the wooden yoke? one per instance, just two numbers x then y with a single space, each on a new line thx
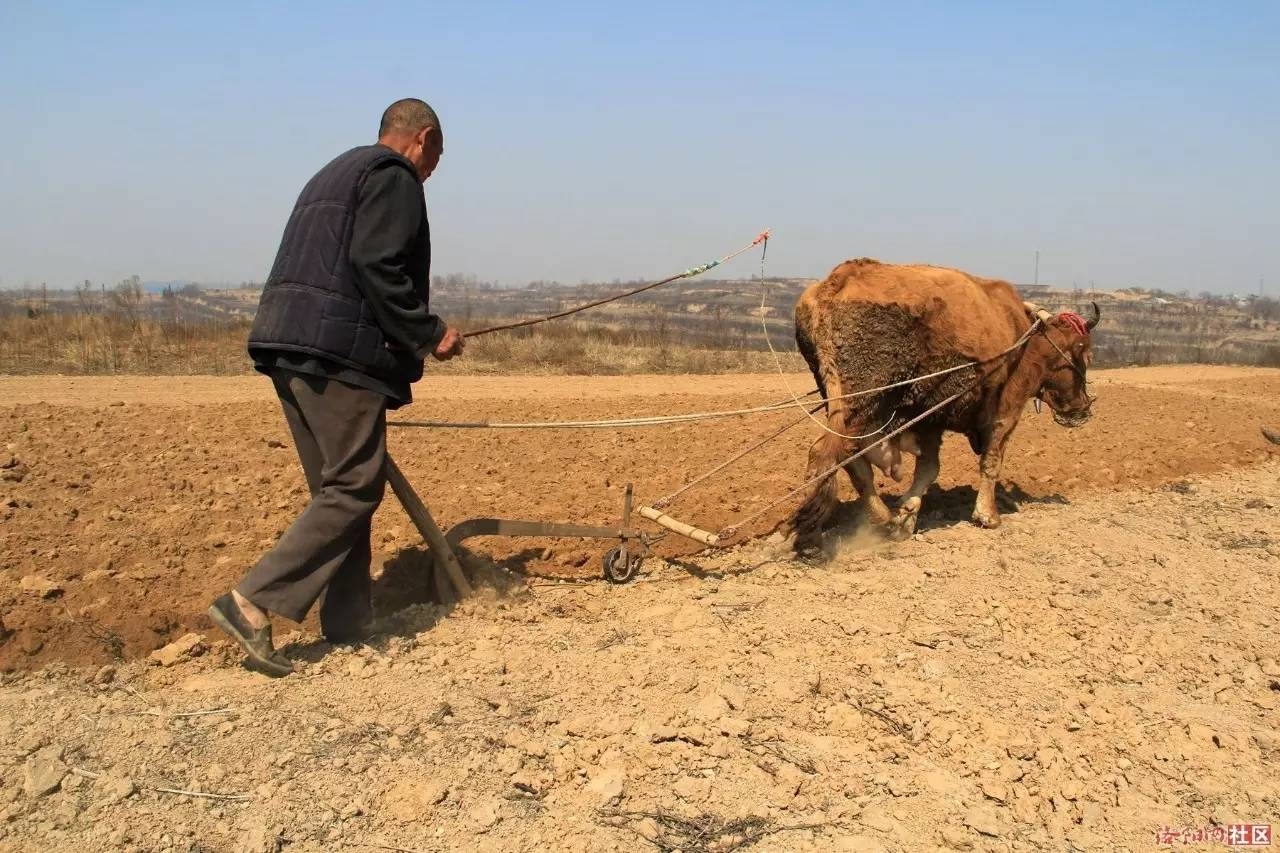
1036 311
687 530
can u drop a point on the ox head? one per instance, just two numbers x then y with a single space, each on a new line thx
1067 354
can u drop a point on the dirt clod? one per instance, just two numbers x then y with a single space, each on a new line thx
40 587
956 839
984 820
116 789
186 646
410 800
43 772
606 786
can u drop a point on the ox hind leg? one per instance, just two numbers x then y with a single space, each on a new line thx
927 450
826 453
812 515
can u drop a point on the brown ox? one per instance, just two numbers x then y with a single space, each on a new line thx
870 324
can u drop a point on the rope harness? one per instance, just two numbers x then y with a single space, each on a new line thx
1080 327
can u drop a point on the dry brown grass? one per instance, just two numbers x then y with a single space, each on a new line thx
115 342
110 343
583 348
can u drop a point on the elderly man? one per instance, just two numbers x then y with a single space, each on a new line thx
342 329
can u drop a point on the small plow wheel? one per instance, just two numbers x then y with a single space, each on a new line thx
619 568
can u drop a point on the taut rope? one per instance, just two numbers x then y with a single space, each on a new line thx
732 530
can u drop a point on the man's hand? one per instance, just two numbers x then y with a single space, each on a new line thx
450 345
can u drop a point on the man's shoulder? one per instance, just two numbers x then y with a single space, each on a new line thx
387 177
369 158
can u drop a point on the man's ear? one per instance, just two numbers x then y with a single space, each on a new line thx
424 136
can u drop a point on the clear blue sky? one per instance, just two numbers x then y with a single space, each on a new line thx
1129 143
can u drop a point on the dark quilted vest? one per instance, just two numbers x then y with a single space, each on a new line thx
311 302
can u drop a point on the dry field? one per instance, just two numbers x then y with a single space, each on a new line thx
1103 664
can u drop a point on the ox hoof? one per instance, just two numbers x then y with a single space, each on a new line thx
812 556
904 523
813 559
902 528
988 520
808 549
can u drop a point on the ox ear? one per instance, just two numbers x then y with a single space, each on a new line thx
1093 321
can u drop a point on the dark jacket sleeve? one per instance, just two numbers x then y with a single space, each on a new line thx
388 219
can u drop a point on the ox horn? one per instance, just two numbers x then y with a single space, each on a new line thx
1093 321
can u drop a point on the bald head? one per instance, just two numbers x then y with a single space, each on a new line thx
407 116
410 128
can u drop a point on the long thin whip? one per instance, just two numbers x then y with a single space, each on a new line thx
689 273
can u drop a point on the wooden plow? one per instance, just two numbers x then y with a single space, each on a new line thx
620 563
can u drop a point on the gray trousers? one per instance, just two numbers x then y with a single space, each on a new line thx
341 435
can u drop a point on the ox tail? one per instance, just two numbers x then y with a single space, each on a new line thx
808 349
812 515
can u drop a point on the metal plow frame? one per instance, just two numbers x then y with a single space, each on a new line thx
621 563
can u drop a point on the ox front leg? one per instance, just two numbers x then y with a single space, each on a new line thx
985 513
927 466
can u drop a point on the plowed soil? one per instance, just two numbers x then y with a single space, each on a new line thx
1099 670
142 498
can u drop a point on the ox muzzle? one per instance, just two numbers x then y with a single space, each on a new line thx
1069 418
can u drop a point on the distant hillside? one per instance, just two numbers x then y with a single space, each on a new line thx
1138 327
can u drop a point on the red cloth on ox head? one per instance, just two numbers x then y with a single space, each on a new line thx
1076 322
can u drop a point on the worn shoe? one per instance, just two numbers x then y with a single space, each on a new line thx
257 644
